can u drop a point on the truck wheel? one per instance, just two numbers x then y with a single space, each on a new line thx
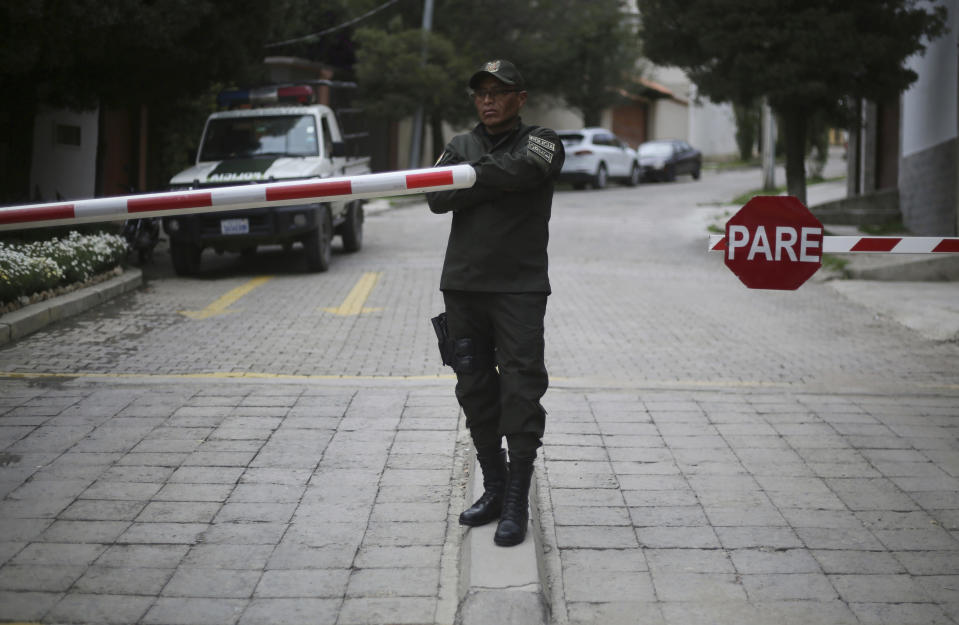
319 245
186 258
352 229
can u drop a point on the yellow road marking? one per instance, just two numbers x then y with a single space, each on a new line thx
222 303
353 304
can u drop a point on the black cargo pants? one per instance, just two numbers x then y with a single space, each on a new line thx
501 397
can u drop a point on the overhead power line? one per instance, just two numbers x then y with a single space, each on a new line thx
315 36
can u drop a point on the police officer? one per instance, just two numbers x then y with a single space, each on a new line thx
495 285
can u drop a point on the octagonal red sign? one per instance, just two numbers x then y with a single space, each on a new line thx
774 242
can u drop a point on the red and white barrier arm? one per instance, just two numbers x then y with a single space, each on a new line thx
237 197
864 244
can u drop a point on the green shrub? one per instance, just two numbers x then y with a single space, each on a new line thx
28 268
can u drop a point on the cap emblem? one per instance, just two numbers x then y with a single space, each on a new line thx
492 67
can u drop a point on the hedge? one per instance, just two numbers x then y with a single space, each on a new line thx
31 267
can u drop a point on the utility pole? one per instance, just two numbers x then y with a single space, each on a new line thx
769 147
416 142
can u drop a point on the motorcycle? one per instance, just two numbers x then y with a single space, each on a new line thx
142 236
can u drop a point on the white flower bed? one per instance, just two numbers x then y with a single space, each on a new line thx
30 268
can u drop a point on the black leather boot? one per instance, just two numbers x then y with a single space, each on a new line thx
515 517
488 507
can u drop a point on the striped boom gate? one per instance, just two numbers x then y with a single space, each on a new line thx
170 203
775 242
867 244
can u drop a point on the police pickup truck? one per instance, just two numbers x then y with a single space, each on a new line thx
270 134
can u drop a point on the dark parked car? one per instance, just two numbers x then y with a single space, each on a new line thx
668 158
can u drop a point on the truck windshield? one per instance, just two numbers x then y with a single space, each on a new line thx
239 137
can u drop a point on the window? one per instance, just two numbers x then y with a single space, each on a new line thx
247 137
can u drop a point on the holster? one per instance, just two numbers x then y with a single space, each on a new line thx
460 354
443 338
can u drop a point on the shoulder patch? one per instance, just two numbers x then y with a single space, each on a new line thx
540 151
549 145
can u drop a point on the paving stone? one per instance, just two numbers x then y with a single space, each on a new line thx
900 614
615 613
703 537
189 581
372 557
878 588
392 582
667 516
760 561
683 560
26 606
586 537
58 554
856 539
194 611
296 611
793 586
85 531
758 538
142 556
697 587
592 515
581 584
228 556
836 561
387 611
243 533
128 491
163 533
39 577
294 556
194 492
315 583
108 580
255 513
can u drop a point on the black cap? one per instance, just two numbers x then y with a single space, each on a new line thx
501 70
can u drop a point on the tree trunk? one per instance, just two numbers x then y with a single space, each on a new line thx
592 117
794 120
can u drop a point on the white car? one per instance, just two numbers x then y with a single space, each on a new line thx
594 156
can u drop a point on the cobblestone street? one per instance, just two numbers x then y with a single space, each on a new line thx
184 454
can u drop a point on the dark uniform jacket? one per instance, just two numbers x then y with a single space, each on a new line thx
500 225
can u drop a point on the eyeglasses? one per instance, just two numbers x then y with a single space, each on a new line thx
495 94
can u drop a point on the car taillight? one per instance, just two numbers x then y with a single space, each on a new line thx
582 152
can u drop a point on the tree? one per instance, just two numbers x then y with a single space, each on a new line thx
579 50
395 79
596 54
805 56
123 53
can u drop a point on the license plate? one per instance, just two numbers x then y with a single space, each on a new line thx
235 226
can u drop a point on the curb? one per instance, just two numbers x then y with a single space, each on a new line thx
919 268
27 320
501 584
